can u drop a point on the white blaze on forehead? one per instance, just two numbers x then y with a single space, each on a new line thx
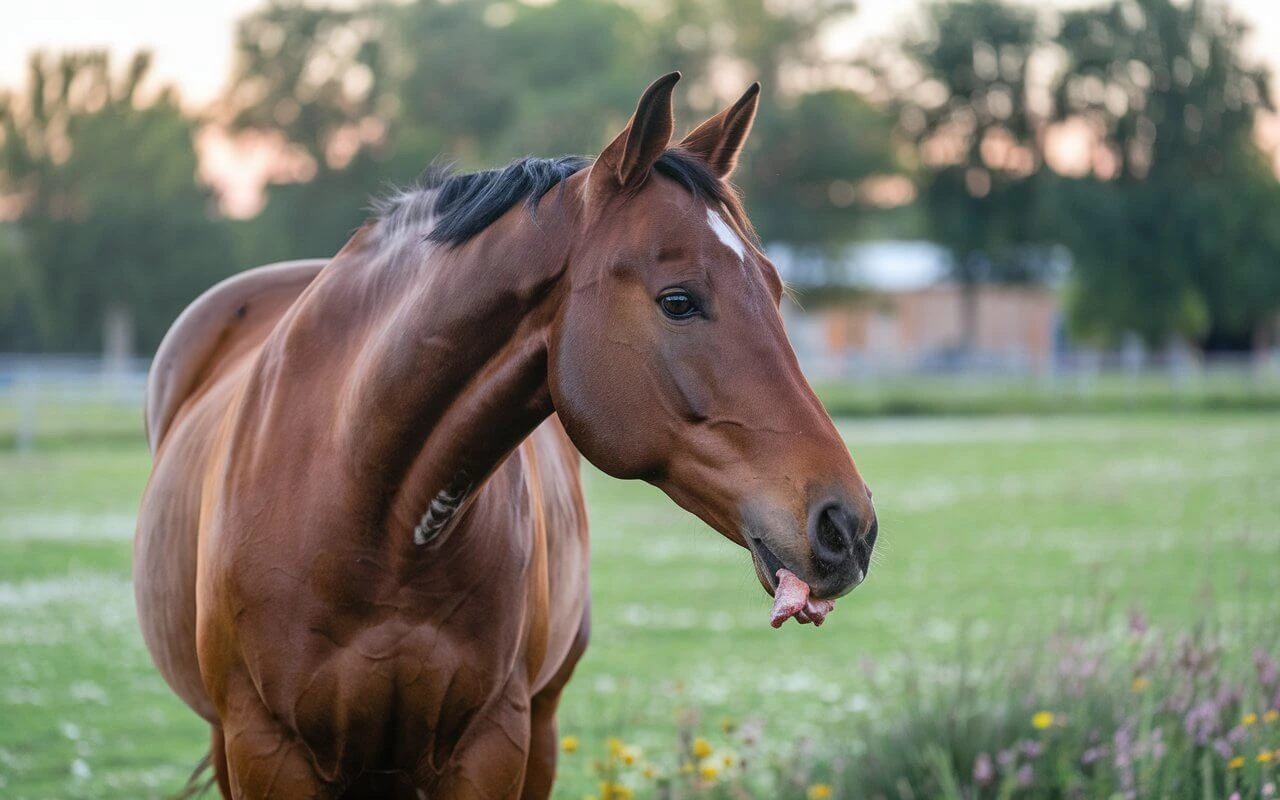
725 234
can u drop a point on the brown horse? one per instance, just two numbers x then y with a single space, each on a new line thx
362 554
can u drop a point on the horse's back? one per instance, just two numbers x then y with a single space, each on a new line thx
225 323
189 391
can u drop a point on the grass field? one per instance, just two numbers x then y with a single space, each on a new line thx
994 531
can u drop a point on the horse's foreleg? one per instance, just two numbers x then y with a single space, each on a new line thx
218 755
263 760
544 744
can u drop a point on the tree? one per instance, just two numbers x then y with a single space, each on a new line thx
117 230
1173 229
970 114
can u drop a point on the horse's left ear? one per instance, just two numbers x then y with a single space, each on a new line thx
626 162
719 140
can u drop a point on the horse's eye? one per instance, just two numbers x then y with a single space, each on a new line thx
678 305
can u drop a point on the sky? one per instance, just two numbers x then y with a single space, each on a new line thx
192 41
192 47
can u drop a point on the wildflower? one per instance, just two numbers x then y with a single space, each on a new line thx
630 754
615 746
1236 763
615 791
1249 719
1264 757
1271 716
569 744
819 791
1140 684
983 770
727 725
1269 789
1041 720
701 747
728 760
708 771
649 772
1025 776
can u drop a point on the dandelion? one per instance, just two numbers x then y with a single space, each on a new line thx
615 746
1041 720
630 754
1271 716
708 772
1236 763
569 744
1249 719
1264 757
649 772
819 791
1140 684
615 791
701 747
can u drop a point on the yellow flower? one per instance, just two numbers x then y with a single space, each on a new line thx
1236 763
649 772
1264 757
569 744
630 754
615 746
701 747
728 760
1140 683
1249 719
1041 720
1271 716
819 791
615 791
727 725
708 771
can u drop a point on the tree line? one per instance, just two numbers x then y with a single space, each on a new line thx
1124 132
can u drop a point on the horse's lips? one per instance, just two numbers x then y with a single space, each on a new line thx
791 599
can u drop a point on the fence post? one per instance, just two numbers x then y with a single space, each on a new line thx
26 433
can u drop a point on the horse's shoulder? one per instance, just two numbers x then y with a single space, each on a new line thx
226 319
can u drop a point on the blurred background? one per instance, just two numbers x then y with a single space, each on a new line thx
1035 250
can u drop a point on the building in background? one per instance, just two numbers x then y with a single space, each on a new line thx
891 306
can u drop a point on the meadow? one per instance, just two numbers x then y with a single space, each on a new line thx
998 534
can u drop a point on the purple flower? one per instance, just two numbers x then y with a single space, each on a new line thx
1137 623
984 772
1268 671
1030 748
1092 755
1006 758
1026 776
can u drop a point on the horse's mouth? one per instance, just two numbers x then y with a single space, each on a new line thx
766 563
790 593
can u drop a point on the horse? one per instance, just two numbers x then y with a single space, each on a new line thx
362 552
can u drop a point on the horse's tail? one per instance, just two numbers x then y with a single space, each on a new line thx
200 780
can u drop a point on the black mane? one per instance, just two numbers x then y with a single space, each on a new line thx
464 204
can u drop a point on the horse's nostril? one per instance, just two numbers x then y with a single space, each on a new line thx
834 532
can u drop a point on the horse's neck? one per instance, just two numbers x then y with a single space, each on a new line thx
433 360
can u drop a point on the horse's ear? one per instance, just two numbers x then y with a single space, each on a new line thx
626 162
719 140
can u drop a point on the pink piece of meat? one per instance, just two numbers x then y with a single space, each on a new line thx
791 599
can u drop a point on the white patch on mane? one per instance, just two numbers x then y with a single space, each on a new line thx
725 234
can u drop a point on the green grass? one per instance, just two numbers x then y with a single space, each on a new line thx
994 530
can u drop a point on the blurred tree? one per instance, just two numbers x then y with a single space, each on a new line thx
117 233
970 115
1173 232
